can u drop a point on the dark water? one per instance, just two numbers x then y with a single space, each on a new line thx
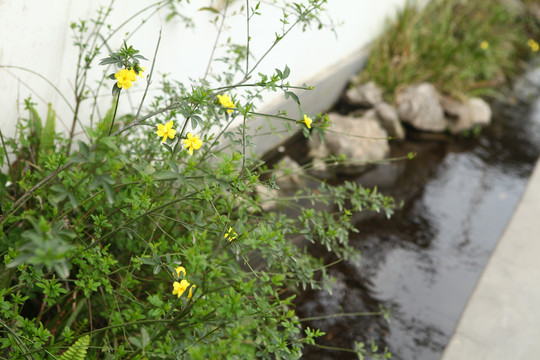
423 264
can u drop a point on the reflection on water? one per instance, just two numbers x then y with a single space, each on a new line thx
424 262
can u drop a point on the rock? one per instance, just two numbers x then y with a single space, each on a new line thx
515 7
267 197
534 9
288 174
466 115
419 106
389 119
365 95
360 140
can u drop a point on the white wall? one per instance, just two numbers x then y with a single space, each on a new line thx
37 36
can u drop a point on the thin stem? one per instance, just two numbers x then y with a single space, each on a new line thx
244 84
340 315
81 77
115 110
278 39
148 81
334 348
243 144
220 30
202 338
17 338
146 117
247 37
159 5
17 204
43 78
7 157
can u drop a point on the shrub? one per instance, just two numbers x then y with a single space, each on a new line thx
149 240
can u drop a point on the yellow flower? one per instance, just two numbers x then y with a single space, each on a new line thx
230 235
178 270
484 45
124 78
533 45
166 131
142 70
190 294
192 143
180 287
307 120
226 102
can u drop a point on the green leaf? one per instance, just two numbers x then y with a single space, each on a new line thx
84 149
145 338
61 269
35 121
166 175
77 351
148 261
293 96
286 72
208 8
109 192
167 146
60 194
135 341
49 131
108 61
115 90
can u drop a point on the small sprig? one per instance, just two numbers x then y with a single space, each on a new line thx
127 59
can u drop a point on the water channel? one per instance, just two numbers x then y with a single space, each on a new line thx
423 263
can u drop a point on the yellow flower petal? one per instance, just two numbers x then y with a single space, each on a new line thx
180 287
192 143
226 102
230 235
193 287
166 131
179 270
307 120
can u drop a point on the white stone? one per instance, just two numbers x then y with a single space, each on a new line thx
419 106
360 140
389 119
288 174
365 95
466 115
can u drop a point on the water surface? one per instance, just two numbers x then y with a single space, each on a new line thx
459 194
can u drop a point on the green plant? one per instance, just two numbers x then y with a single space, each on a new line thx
149 241
77 351
462 47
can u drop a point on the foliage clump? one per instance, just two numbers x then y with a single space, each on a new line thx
149 241
465 48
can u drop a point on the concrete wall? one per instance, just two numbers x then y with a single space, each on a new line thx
37 36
